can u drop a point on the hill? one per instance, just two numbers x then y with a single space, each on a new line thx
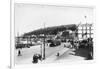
52 30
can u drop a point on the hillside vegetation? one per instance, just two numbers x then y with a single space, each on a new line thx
52 30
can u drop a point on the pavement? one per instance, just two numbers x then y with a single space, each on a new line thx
65 54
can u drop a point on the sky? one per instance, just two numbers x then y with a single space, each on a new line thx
29 17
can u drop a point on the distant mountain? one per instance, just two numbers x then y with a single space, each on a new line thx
52 30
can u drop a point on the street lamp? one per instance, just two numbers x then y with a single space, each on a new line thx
44 47
44 36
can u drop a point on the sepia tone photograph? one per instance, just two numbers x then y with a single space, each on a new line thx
52 34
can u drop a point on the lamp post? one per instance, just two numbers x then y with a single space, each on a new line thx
44 36
44 48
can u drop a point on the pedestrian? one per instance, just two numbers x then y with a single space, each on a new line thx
19 53
35 59
64 45
58 54
39 57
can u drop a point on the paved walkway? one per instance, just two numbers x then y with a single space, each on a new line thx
65 55
27 53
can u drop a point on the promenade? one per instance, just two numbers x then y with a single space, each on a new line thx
65 54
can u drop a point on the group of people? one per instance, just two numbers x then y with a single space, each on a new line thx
36 58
